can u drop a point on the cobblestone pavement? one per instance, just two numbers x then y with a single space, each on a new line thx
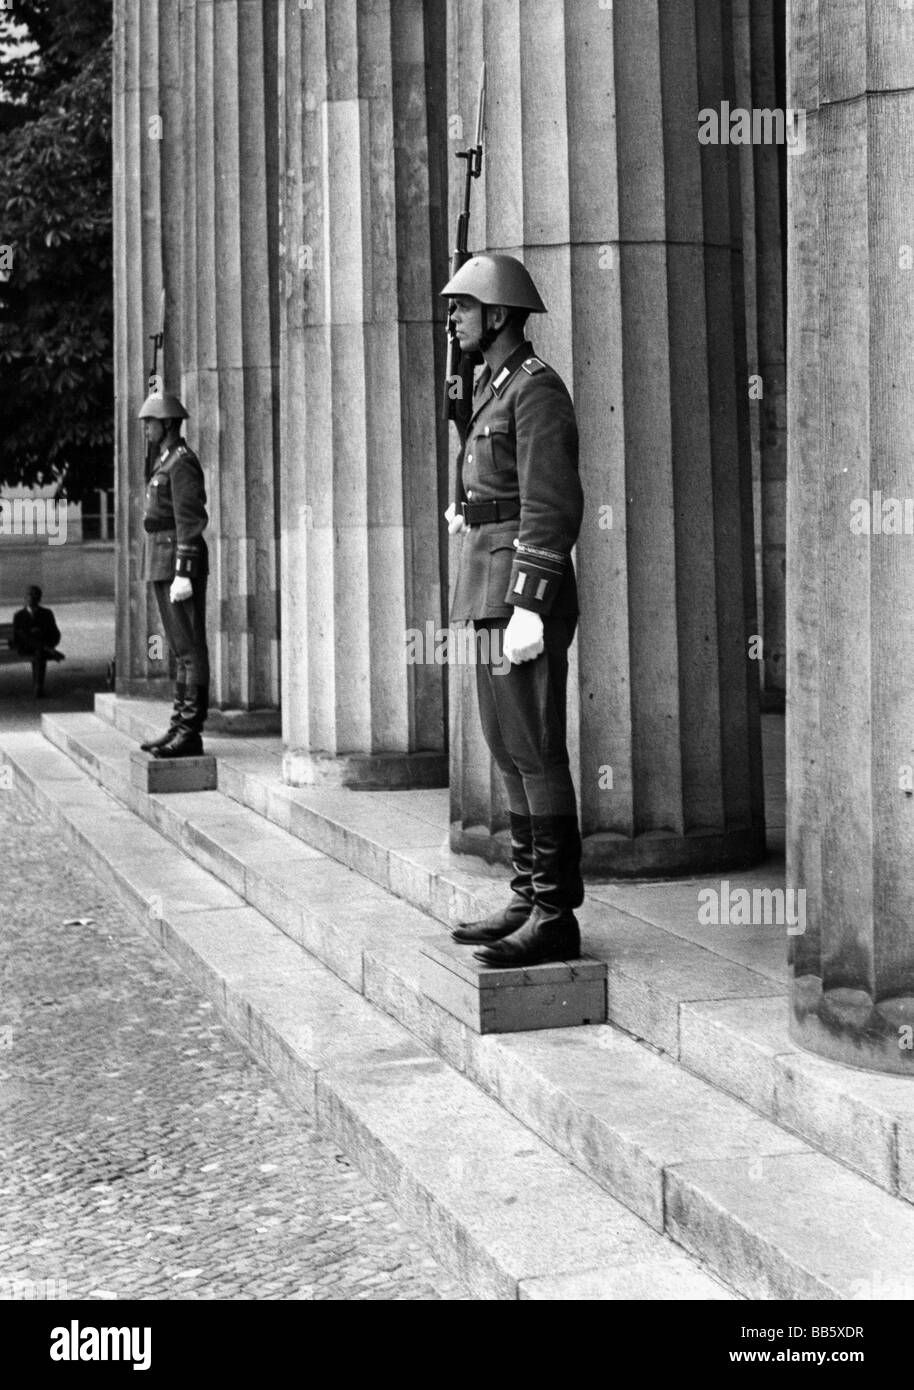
145 1154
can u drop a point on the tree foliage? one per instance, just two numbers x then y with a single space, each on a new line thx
56 310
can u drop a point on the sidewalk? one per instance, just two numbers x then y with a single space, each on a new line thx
145 1153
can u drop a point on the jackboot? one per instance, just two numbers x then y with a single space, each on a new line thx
187 742
171 732
508 920
551 932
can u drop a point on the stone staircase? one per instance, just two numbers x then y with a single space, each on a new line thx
682 1149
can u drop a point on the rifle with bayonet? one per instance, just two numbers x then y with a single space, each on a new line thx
458 377
154 382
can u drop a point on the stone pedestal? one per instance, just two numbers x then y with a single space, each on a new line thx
632 231
850 725
157 775
489 1000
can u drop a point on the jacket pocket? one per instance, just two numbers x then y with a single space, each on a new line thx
493 447
501 560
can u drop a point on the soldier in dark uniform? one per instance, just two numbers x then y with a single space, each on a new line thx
519 504
175 562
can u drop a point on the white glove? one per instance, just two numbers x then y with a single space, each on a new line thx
181 589
523 635
454 519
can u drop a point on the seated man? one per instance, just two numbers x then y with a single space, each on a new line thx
35 635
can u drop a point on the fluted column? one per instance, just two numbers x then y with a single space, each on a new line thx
362 491
230 300
769 207
148 140
631 229
850 840
196 190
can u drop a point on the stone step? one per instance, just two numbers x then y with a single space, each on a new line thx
717 1004
327 908
501 1208
629 1118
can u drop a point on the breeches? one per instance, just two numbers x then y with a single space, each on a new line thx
185 631
523 714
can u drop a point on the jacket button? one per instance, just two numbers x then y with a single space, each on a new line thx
487 431
469 458
470 495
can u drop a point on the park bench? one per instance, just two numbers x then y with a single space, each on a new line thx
8 653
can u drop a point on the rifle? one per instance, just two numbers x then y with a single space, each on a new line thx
459 366
154 383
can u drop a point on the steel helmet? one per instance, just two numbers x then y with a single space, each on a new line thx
493 278
156 407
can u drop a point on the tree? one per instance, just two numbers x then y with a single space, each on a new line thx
56 306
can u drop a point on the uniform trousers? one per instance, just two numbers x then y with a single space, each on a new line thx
185 631
523 712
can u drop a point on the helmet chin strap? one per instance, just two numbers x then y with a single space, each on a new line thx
489 334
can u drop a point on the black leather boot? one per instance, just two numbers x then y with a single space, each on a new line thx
508 920
187 742
551 932
172 731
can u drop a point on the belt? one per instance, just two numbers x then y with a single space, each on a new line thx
150 525
478 513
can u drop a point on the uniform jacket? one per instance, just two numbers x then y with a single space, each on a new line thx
34 630
522 447
176 502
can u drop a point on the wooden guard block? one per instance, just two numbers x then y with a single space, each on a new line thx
172 774
491 1000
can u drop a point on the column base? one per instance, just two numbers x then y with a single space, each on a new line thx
144 687
655 855
245 723
237 723
845 1026
365 772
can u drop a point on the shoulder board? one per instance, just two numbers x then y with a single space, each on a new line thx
533 365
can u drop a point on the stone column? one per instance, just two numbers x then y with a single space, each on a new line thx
229 296
850 749
631 229
148 139
768 93
195 197
362 493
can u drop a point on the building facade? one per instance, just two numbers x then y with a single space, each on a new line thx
285 171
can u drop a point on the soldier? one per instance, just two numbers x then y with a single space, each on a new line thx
519 504
175 562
